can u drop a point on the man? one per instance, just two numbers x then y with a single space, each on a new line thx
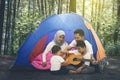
79 35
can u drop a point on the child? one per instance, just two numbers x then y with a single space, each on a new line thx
58 63
85 67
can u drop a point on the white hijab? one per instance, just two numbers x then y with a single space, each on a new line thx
57 35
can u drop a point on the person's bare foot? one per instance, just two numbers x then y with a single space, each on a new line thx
44 64
78 70
72 72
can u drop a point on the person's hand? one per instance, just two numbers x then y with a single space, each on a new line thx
94 62
66 60
65 52
64 56
78 70
44 64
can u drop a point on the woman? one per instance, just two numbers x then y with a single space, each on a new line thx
42 61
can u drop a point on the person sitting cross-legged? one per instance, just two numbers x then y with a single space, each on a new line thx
58 63
85 60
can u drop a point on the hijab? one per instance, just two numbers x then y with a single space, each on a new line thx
57 35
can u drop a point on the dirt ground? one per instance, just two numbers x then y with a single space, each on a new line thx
112 72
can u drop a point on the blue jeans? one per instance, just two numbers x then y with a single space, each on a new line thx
63 71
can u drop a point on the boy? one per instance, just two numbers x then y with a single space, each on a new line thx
79 35
81 49
58 63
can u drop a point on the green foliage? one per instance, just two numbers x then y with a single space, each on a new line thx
28 18
26 23
101 13
113 49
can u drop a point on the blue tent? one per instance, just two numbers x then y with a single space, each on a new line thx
68 22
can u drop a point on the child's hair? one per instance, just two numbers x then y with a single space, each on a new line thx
80 43
79 31
55 49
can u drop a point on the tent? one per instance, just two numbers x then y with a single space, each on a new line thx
69 22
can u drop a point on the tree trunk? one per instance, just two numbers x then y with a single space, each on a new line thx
13 27
92 10
8 25
117 29
18 5
72 7
38 4
98 16
67 7
83 9
42 7
45 3
53 5
2 8
59 3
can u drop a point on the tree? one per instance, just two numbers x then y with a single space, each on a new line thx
72 7
13 27
83 9
2 8
117 29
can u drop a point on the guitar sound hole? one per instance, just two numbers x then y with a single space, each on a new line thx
75 59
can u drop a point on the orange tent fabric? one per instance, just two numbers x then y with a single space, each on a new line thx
101 52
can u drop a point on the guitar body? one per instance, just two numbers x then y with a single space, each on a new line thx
71 57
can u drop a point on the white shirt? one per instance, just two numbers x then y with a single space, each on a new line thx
49 47
86 56
56 62
88 46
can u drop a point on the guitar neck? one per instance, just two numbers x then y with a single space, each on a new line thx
84 60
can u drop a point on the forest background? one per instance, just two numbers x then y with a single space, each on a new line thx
19 18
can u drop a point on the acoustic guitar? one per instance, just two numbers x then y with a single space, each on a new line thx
76 59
